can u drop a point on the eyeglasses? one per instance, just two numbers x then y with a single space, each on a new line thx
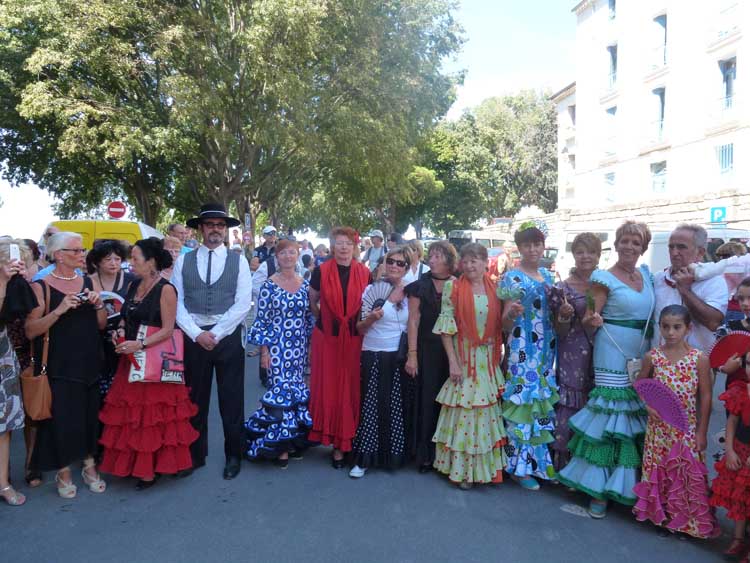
399 263
75 250
212 225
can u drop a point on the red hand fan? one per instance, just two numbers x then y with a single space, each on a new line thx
736 342
664 401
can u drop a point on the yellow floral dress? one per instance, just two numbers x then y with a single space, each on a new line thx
470 434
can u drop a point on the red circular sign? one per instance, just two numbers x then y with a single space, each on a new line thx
116 209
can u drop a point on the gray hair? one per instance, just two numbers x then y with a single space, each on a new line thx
700 236
58 241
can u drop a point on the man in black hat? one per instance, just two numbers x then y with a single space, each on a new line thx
213 289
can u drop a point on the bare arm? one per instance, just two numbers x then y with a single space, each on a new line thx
731 458
314 302
412 330
700 311
37 323
705 385
168 306
647 367
364 325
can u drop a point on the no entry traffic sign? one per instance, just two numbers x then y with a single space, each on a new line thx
116 210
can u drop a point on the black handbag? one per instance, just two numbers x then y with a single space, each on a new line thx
403 348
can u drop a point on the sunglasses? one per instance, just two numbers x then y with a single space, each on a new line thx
399 263
212 225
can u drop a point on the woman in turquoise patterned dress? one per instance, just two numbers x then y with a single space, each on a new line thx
531 388
469 437
608 431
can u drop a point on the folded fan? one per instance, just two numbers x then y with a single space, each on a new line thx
664 401
735 342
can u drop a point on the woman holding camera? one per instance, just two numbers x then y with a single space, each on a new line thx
70 310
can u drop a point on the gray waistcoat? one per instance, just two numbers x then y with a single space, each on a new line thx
215 299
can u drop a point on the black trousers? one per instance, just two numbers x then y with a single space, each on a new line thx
228 359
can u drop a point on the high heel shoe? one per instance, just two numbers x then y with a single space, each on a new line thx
95 484
142 484
337 463
14 498
66 489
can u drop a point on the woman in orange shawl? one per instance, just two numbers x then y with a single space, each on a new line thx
470 434
336 288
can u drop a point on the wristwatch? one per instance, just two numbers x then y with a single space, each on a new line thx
143 343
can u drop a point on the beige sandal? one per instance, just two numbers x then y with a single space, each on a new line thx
66 489
14 499
95 484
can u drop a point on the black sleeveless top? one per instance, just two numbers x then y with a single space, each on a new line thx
74 343
145 312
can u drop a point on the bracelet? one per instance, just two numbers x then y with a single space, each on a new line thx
412 351
143 343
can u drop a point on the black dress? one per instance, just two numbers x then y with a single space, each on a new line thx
433 369
111 359
73 369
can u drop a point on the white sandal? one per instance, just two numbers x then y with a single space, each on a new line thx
15 499
66 489
95 484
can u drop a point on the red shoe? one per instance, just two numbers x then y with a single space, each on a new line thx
737 550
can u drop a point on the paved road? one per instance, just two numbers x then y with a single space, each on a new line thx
311 512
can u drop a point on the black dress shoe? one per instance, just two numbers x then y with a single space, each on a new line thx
232 468
183 473
142 485
296 455
425 468
281 463
338 463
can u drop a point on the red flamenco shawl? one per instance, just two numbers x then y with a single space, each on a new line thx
675 493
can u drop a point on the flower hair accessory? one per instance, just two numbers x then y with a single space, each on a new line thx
537 224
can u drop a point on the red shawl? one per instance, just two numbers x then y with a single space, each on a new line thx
462 297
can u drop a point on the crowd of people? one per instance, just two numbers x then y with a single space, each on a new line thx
389 359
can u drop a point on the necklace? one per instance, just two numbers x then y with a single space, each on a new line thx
150 287
434 277
632 275
64 278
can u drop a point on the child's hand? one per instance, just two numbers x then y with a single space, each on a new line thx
655 415
733 364
701 442
732 461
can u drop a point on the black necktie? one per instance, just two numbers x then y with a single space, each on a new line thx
208 268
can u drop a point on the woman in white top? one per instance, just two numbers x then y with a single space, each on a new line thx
381 433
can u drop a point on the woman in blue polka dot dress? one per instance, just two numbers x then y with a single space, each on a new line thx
282 328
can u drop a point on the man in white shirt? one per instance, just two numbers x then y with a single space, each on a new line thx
376 251
706 300
213 299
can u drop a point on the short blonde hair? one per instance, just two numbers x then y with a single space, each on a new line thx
404 251
634 228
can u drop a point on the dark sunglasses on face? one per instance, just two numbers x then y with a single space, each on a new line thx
399 263
212 225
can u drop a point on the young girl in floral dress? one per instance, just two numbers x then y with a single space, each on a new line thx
669 494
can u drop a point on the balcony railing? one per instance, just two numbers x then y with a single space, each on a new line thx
727 21
659 182
724 109
658 57
612 80
609 144
656 132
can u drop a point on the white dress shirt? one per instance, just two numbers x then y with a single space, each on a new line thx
712 291
224 324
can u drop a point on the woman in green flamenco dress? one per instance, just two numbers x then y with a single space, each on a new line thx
608 432
469 437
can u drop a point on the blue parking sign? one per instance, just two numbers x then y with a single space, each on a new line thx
718 214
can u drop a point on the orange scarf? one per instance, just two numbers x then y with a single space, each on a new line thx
462 297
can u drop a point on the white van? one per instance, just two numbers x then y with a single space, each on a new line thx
460 237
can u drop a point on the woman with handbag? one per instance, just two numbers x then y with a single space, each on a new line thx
147 430
608 432
386 389
67 351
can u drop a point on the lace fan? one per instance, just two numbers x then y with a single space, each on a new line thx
375 296
664 401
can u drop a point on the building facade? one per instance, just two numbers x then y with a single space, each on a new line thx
657 123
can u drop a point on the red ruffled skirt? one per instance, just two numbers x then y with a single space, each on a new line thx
147 427
731 489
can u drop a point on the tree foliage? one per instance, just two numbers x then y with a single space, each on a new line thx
263 104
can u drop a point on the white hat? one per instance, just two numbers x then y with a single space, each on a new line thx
376 233
270 229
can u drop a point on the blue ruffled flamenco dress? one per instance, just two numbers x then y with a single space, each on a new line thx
282 421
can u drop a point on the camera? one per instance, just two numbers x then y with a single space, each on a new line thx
83 296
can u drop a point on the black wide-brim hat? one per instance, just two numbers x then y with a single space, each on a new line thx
212 211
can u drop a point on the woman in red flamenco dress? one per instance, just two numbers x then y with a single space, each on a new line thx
731 487
147 430
336 288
